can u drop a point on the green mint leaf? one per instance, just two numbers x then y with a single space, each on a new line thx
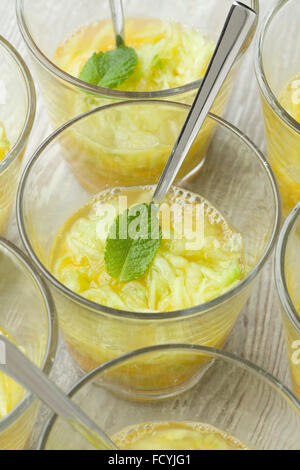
132 243
110 69
90 72
117 66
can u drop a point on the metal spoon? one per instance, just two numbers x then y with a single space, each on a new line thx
19 368
238 26
117 13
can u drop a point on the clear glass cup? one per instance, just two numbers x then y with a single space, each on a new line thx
231 394
235 178
44 28
276 63
17 111
288 287
27 314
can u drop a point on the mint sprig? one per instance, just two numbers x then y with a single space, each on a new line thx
110 69
132 243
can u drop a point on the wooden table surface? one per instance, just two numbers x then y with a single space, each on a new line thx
258 334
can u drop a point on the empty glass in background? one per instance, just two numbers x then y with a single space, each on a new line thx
235 178
277 61
231 394
17 111
44 27
27 314
288 286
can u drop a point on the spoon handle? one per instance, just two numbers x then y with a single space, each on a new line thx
19 368
117 13
238 25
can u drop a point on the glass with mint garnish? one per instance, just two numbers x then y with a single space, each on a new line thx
168 46
17 113
125 276
110 69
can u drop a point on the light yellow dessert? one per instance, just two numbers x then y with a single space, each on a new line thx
284 144
180 276
11 392
175 436
293 350
170 54
131 145
289 97
289 291
16 435
4 143
8 180
289 163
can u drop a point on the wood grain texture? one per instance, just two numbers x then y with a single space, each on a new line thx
258 334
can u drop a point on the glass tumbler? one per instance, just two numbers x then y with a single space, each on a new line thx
45 27
288 287
277 62
231 394
27 315
235 178
17 111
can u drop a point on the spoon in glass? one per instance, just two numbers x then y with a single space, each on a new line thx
117 13
20 369
236 31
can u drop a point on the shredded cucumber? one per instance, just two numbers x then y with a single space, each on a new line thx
169 54
178 278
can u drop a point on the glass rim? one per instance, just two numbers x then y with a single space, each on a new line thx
178 314
52 340
19 145
263 83
46 63
215 353
280 277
